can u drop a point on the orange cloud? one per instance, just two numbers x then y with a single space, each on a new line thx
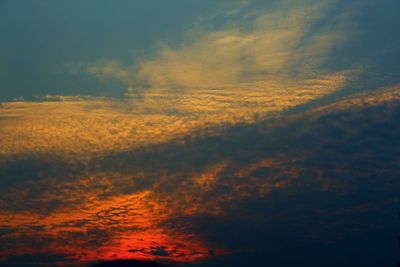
111 214
82 127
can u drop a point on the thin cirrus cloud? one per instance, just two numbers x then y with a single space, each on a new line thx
276 44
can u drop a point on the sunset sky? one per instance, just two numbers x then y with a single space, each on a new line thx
200 133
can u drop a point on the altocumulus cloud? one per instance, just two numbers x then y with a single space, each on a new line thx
179 195
207 162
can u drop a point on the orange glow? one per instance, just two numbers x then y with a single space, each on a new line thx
99 220
132 226
76 129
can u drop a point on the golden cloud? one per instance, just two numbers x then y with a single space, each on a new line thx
81 127
273 44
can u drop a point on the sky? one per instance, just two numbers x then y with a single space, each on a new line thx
199 133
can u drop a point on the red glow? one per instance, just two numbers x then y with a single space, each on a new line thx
129 227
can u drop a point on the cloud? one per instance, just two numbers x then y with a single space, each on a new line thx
273 44
131 263
78 127
106 69
207 143
131 203
264 63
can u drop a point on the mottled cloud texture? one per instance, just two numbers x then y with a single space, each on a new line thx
150 201
234 148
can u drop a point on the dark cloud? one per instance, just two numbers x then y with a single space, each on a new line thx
307 187
130 263
36 260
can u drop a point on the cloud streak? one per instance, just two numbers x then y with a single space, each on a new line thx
81 127
272 44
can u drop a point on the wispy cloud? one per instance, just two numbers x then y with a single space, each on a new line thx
271 44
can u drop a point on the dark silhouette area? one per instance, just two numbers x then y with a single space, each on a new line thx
130 263
398 242
398 239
